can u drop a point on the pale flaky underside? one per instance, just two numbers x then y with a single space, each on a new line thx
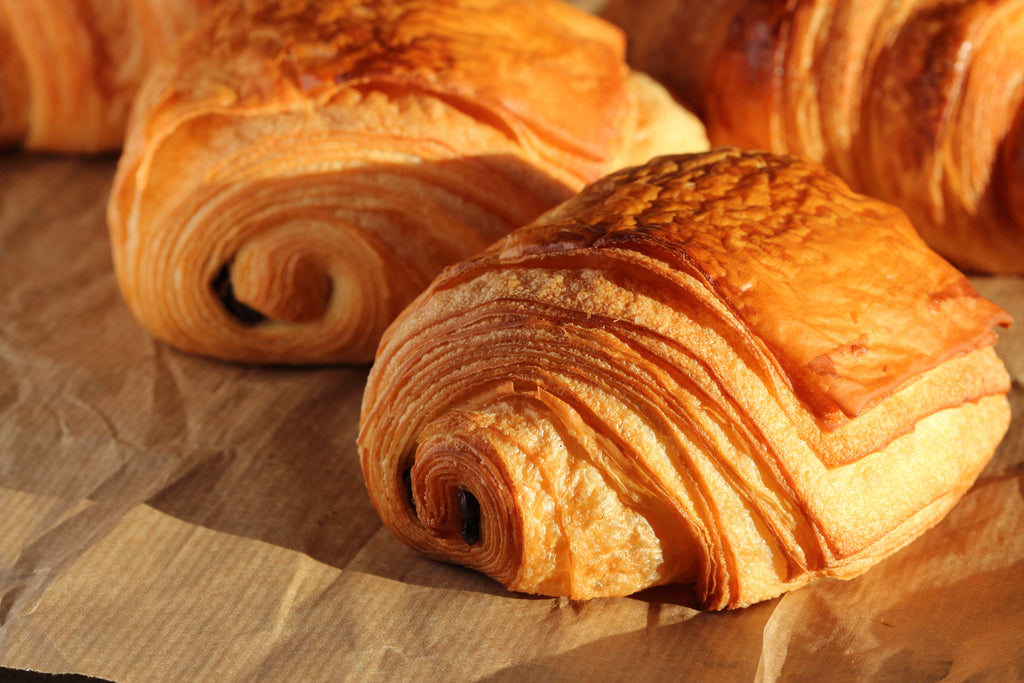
722 369
69 69
917 102
303 169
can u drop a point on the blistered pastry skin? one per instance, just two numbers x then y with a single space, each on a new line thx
917 102
724 369
69 69
303 169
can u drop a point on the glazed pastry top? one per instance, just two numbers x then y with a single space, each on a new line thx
510 63
850 301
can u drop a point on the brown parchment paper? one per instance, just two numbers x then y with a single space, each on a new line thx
168 518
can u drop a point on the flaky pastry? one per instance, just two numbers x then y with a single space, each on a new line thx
305 168
723 369
917 102
69 69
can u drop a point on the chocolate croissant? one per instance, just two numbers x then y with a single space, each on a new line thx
724 369
69 69
916 102
304 169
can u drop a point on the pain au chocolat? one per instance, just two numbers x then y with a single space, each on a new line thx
69 69
303 169
917 102
724 369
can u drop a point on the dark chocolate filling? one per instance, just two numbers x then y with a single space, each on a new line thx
225 292
407 480
470 509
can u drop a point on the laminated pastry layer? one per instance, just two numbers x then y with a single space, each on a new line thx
808 266
304 169
582 411
69 69
917 102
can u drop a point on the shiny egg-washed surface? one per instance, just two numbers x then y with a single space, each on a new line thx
917 102
632 389
301 170
808 265
70 69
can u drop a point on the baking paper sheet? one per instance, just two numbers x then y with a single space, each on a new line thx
168 518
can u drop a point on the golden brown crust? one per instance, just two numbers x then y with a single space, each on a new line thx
912 101
313 165
816 298
70 68
13 112
623 386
